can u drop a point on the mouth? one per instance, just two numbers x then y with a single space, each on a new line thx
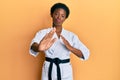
58 20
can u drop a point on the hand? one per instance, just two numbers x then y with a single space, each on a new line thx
72 49
47 41
67 44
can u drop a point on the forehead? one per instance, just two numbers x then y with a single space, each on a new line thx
61 10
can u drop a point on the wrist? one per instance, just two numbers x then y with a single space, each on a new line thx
35 47
70 48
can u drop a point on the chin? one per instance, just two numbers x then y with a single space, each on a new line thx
57 24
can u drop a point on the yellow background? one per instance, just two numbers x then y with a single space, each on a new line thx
96 22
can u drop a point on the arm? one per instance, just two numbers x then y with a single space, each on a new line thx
45 43
35 47
77 52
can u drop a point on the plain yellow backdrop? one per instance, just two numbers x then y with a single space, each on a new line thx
96 22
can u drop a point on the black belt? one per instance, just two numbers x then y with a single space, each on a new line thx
57 61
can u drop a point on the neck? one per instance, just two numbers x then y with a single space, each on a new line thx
58 28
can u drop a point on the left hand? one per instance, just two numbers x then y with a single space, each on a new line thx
67 44
72 49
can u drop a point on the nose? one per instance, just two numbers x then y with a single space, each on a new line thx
58 17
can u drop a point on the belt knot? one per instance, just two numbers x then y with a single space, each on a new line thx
57 61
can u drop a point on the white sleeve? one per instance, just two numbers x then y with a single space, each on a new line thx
79 45
38 37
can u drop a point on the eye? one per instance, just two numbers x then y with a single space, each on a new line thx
56 13
63 16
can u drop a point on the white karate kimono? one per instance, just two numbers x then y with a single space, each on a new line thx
58 50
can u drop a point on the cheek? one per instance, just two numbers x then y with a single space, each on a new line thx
54 17
63 19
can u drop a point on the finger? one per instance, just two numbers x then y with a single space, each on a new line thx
62 37
45 37
54 29
64 40
50 34
52 41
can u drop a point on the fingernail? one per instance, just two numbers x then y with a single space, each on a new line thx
54 29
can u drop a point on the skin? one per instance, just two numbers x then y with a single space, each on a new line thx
58 17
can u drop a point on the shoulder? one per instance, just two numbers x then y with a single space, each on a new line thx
70 33
42 31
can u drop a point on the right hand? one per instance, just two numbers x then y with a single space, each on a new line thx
47 41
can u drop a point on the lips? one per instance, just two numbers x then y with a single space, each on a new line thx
58 20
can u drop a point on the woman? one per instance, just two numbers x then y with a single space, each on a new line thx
57 44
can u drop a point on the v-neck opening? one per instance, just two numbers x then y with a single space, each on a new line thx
60 33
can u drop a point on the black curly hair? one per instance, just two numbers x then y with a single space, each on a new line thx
60 5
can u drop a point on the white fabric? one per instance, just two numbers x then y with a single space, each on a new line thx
59 50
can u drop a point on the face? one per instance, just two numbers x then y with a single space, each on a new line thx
59 17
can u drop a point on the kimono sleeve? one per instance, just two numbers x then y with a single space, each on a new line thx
79 45
38 37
